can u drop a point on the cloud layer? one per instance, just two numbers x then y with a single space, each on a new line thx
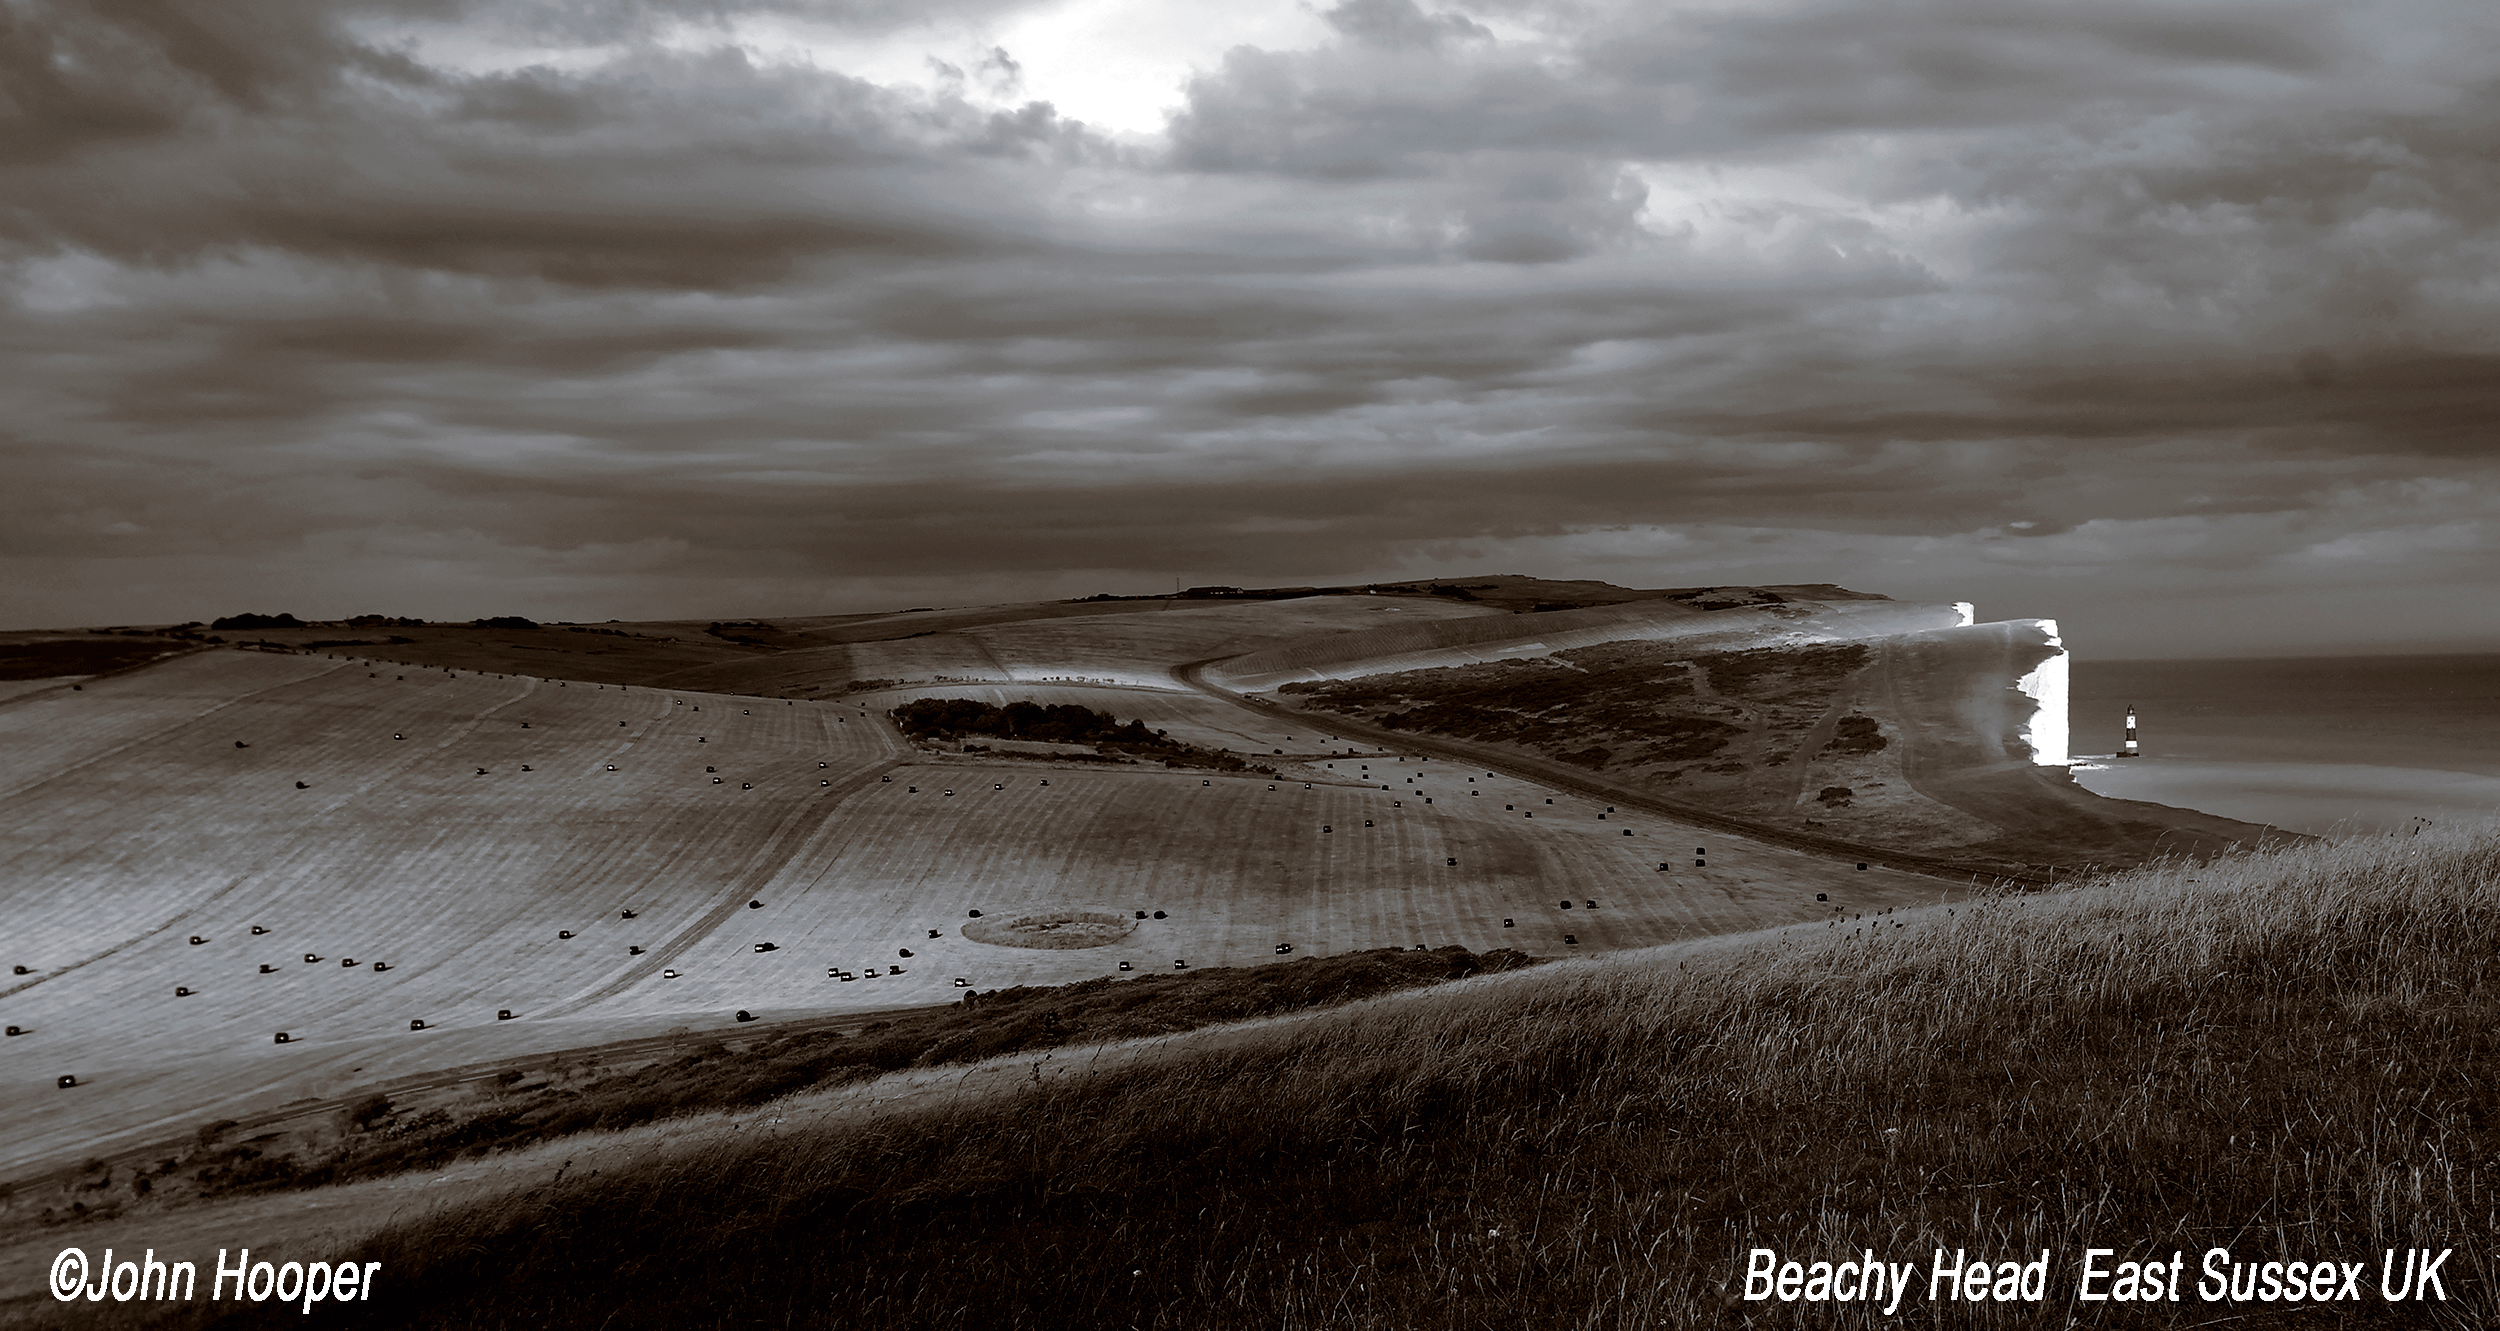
2162 318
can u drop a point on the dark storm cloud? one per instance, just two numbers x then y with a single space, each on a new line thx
2072 298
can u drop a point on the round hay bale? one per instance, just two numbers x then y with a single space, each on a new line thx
1453 860
1861 864
564 933
634 950
241 745
755 904
284 1038
311 957
768 947
267 969
1822 896
962 983
381 966
1571 939
824 783
711 769
1588 904
1283 948
1125 966
347 963
746 785
670 974
902 952
65 1082
182 991
973 915
744 1015
196 940
21 970
1158 915
398 736
305 785
716 781
17 1030
416 1023
625 915
503 1014
1566 905
1510 924
933 933
1180 964
1053 929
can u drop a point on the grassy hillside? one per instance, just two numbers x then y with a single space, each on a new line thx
2286 1055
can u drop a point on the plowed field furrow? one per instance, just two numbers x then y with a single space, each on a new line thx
762 871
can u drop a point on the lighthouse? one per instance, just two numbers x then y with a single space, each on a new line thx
2130 750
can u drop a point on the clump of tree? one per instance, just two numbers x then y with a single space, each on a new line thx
505 622
383 622
1056 723
258 622
1856 735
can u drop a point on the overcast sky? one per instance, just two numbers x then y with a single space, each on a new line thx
2176 321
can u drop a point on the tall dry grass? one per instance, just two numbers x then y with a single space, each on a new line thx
2289 1055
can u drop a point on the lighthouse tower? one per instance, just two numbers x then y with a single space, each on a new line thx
2130 751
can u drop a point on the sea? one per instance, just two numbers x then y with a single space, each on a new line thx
2328 745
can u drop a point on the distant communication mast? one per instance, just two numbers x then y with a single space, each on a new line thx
2130 751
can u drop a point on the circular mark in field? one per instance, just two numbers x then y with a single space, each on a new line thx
1052 929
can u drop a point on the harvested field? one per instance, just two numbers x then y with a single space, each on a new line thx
399 851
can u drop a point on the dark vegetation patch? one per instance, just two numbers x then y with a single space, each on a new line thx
1636 702
716 1077
505 622
79 656
950 719
1856 736
280 621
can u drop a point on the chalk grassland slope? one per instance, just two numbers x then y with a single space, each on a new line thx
1912 742
1138 648
1127 642
2282 1056
1466 642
